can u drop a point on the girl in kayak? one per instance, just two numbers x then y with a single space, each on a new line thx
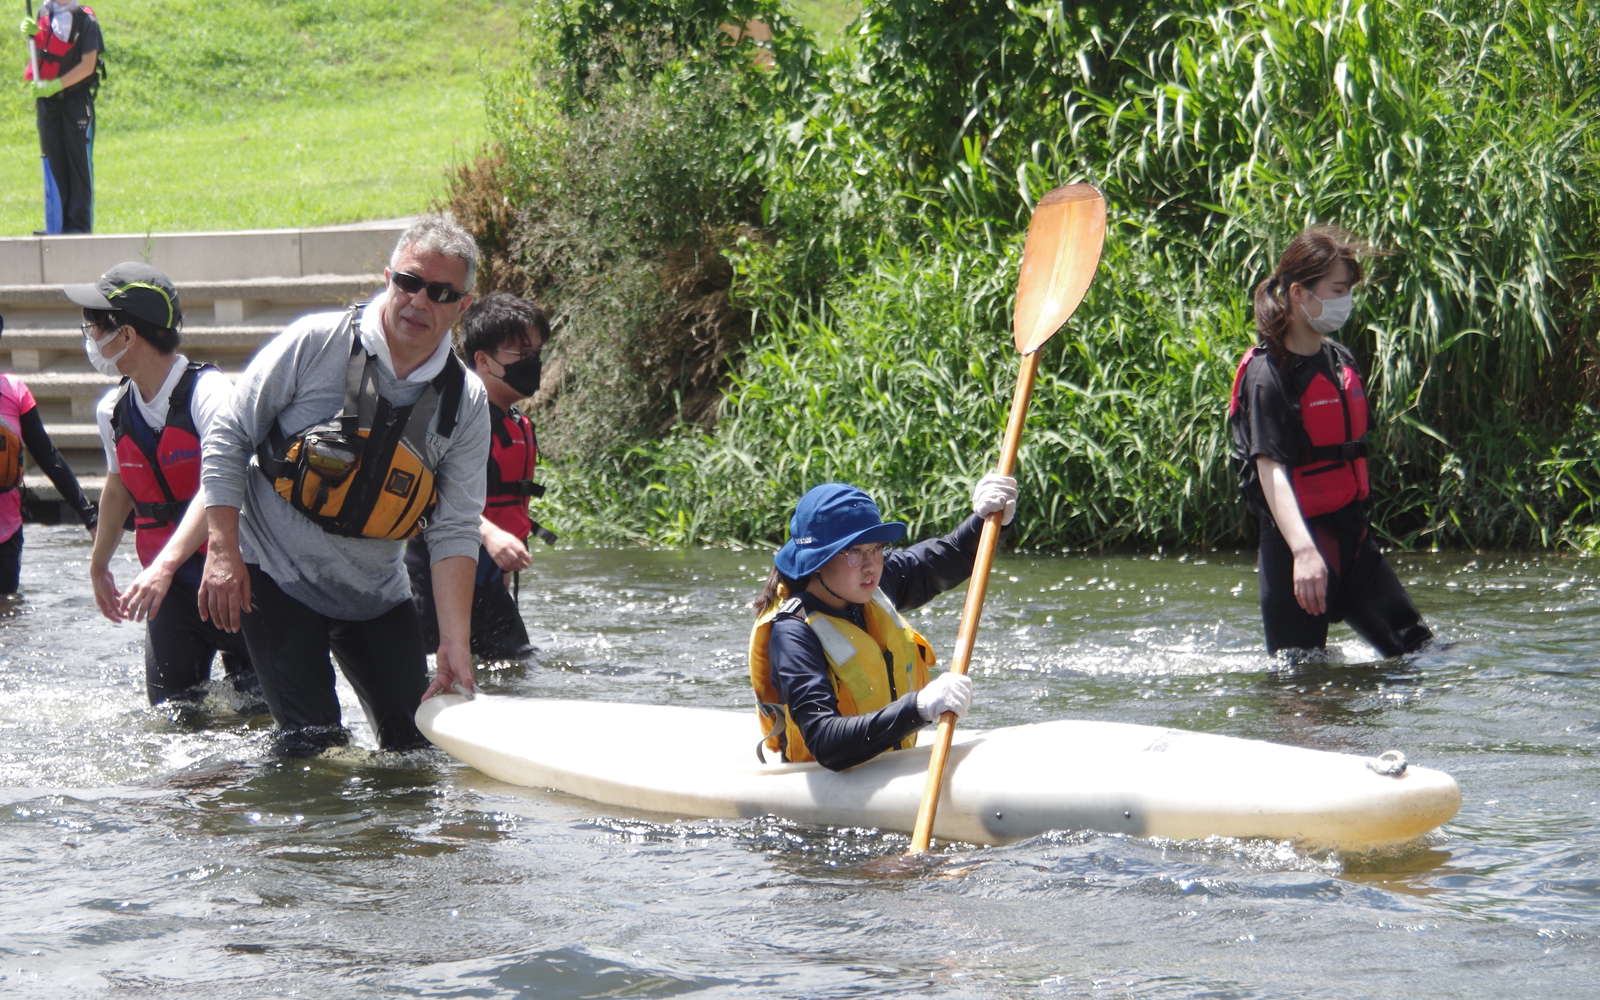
839 675
1299 419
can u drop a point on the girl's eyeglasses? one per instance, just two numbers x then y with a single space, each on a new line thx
855 555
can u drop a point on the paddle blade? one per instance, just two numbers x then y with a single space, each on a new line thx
1065 235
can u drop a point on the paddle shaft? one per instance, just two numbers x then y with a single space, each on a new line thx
976 590
33 52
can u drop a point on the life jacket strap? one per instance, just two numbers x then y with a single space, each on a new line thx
520 488
1349 451
545 534
165 513
774 711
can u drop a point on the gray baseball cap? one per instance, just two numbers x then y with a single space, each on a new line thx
136 289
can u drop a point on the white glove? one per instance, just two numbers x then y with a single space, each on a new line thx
995 492
945 693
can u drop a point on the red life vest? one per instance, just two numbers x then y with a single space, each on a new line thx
513 455
163 483
52 52
1331 471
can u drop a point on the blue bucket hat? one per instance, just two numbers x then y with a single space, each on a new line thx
827 520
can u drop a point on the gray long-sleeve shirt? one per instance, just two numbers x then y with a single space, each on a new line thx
298 380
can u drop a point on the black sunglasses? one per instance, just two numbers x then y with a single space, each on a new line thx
438 291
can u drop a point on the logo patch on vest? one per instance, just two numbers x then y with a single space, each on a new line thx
400 483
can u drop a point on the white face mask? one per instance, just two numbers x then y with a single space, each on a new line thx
102 364
1334 313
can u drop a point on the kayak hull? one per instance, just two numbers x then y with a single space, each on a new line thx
1001 785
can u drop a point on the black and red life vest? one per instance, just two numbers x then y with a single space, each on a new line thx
513 455
1331 471
162 474
53 53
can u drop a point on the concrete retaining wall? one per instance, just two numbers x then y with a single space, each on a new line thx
191 257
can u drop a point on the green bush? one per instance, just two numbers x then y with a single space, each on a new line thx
894 175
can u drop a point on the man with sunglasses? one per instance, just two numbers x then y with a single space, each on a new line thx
502 337
341 416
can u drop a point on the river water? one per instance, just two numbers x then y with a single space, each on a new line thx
166 850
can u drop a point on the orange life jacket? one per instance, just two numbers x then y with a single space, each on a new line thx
10 458
366 473
869 669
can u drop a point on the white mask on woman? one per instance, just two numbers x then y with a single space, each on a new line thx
1334 313
103 364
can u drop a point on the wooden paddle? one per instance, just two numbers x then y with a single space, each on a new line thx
1065 235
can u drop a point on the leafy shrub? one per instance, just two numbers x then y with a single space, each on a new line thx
894 176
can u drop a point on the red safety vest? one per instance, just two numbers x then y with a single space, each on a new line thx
161 484
1331 471
513 455
52 52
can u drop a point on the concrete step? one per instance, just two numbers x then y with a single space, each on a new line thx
44 490
42 503
47 349
237 291
362 248
73 435
71 396
259 302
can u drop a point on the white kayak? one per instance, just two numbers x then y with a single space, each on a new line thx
1001 785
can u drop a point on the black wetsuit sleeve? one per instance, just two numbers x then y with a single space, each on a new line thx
50 462
916 575
800 673
1272 427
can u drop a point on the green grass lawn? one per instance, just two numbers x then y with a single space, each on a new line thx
826 18
289 113
281 113
313 164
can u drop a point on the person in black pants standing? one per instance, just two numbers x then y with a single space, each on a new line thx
1299 418
68 45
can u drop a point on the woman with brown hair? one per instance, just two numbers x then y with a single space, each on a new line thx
1299 418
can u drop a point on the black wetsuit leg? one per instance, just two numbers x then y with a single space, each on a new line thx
178 649
1362 589
11 563
497 629
420 569
66 136
382 658
1287 624
1375 604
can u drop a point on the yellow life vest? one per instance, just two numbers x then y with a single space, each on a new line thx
869 669
10 458
366 473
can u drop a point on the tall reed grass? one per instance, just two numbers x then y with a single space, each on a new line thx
893 177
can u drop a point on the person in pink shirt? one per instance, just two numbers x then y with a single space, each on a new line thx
22 427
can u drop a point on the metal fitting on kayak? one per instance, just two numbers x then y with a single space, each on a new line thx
1390 763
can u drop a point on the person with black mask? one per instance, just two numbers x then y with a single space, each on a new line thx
501 340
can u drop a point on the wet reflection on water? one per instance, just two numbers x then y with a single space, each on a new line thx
167 849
